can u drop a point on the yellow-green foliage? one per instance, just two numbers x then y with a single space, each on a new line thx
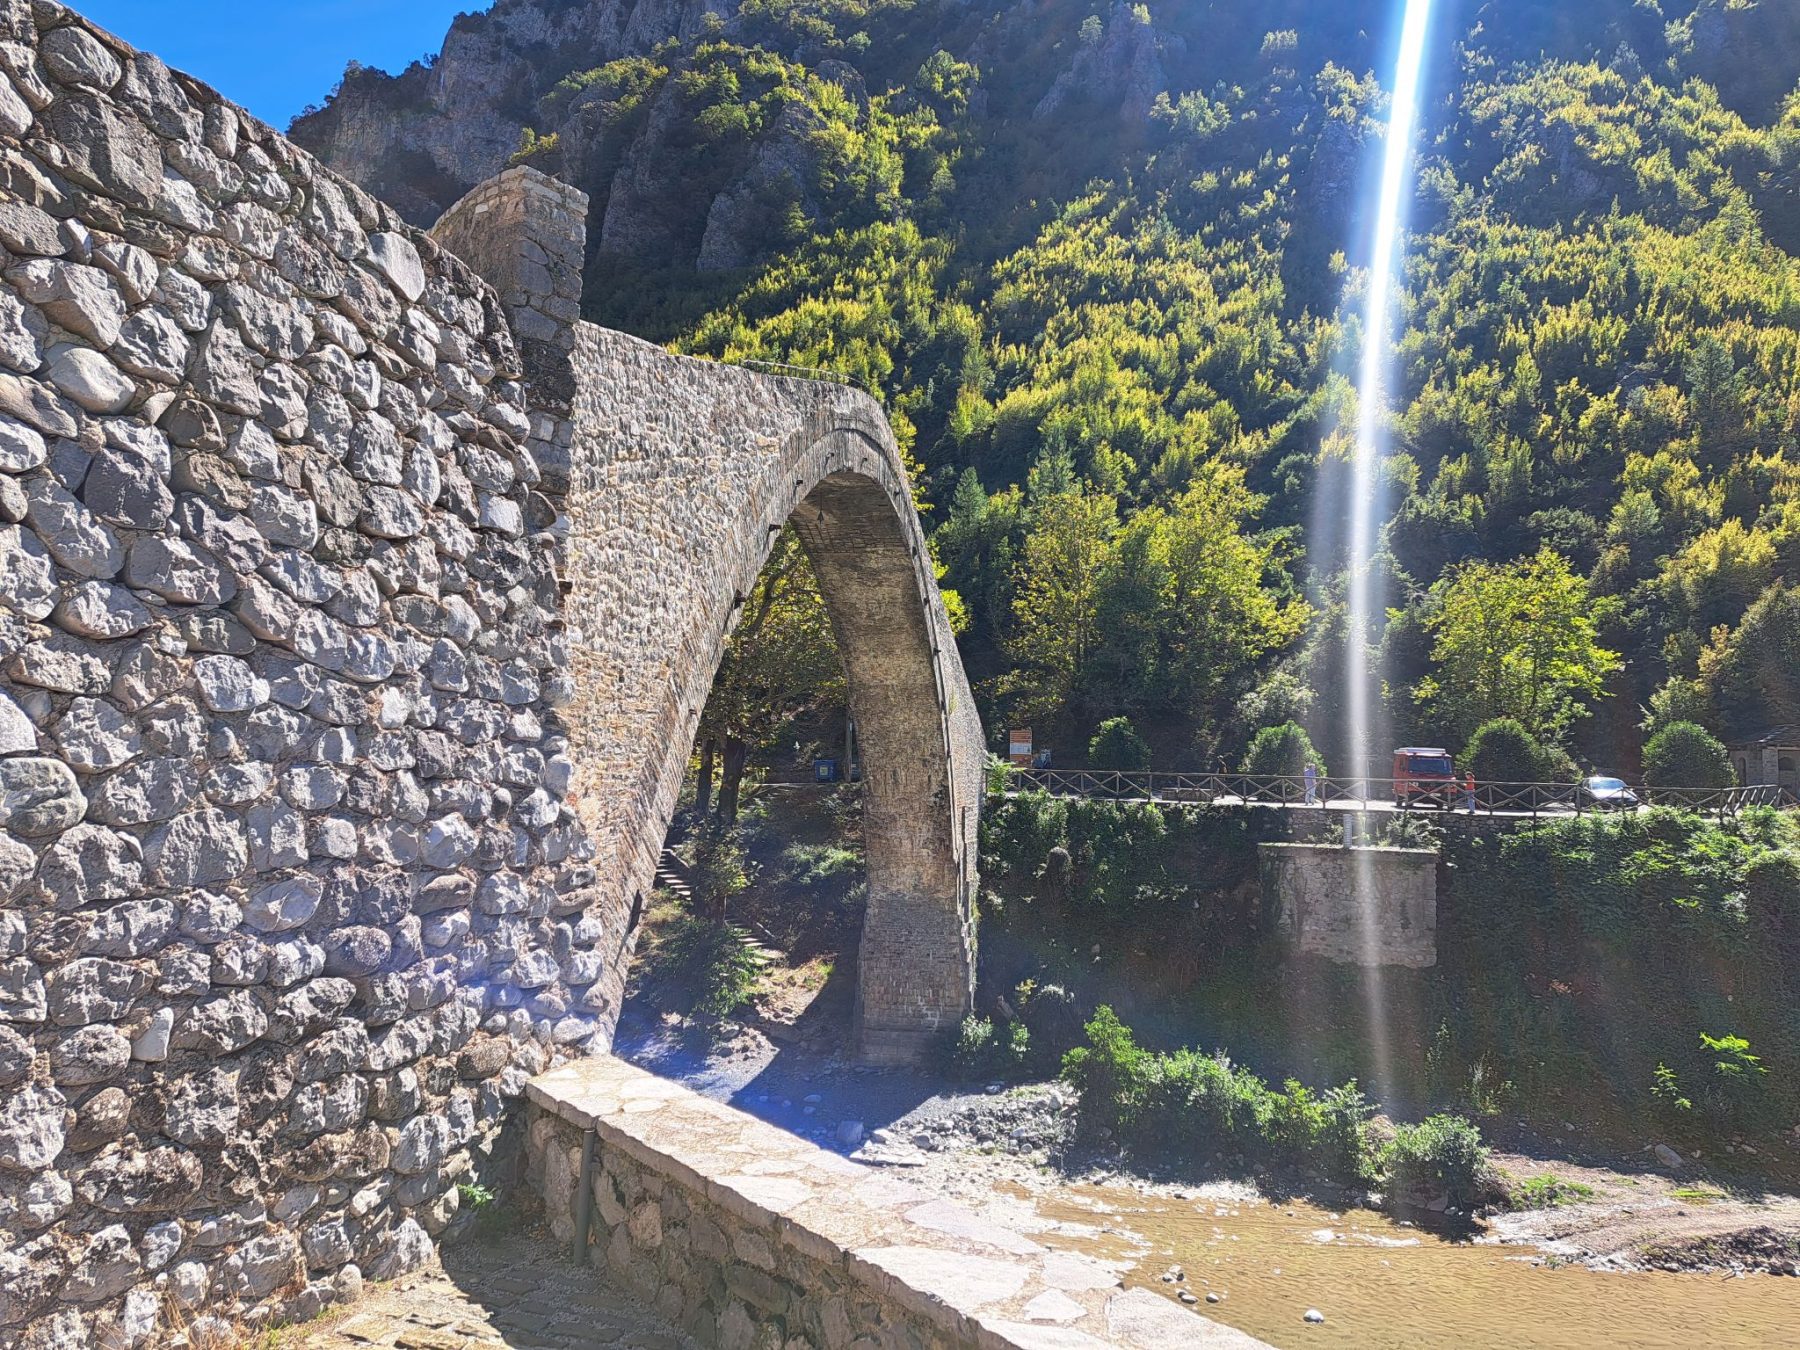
1601 350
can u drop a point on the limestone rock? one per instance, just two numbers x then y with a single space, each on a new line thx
82 299
75 56
89 379
197 848
39 797
31 1127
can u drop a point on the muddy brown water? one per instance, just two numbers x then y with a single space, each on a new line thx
1381 1283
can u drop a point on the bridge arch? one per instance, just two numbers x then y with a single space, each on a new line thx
681 473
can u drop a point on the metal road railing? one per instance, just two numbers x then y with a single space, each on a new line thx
1293 792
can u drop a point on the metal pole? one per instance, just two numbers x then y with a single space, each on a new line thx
584 1198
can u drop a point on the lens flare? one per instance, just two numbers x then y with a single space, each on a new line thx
1395 193
1365 601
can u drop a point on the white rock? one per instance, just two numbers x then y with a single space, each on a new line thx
396 259
90 379
21 448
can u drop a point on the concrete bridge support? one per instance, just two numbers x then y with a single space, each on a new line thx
1354 906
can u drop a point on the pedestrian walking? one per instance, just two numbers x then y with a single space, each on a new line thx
1312 783
1469 791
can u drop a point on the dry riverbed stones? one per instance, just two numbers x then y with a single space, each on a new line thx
290 897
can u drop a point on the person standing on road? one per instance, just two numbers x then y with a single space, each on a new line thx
1312 783
1469 791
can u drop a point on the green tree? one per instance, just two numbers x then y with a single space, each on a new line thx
781 661
1751 673
1218 614
1518 640
1284 749
1502 751
1685 754
1056 603
1117 745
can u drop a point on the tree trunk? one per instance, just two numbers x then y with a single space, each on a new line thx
703 788
736 752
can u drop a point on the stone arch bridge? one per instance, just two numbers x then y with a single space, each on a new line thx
677 475
357 607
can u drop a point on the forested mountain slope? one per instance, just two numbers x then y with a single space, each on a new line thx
1101 262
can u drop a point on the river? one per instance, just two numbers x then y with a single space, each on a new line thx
1383 1284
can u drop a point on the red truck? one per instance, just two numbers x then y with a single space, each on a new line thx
1424 775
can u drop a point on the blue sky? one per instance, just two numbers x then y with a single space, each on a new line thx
276 56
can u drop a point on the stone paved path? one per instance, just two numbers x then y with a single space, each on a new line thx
519 1292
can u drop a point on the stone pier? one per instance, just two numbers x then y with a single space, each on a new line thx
1355 906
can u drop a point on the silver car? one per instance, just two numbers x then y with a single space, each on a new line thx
1601 793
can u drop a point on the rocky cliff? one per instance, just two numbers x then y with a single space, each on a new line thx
420 139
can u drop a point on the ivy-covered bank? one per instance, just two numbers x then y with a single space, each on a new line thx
1627 972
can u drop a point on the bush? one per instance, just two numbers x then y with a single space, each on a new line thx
1117 745
721 871
1502 751
710 965
1441 1156
1053 1017
1686 754
1189 1105
1106 1073
1284 749
983 1050
1281 697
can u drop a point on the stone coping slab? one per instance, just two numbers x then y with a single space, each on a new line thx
979 1283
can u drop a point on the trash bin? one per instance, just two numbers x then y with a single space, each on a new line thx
825 770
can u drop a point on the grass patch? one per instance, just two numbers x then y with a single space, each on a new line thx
1698 1195
1548 1191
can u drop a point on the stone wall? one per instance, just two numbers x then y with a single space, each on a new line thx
291 902
745 1236
1355 906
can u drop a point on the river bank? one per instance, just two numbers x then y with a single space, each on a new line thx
1636 1247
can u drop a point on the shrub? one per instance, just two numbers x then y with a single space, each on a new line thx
1441 1156
1189 1105
1734 1093
1053 1017
1686 754
1284 749
1502 751
1281 697
1324 1129
720 869
709 963
1105 1073
997 774
983 1050
1117 745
